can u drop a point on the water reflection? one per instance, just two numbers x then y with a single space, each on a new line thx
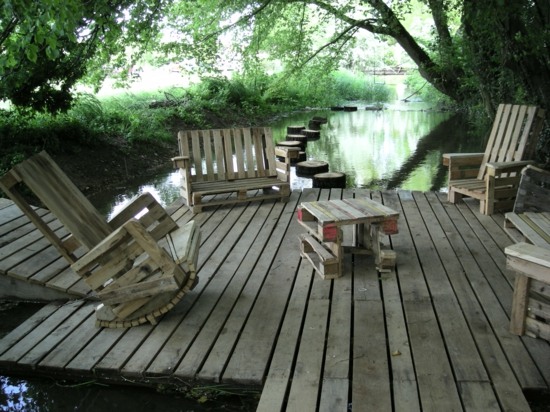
398 147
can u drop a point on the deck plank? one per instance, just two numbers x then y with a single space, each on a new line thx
306 379
485 285
437 389
430 335
280 371
405 386
238 267
248 362
38 334
371 384
173 343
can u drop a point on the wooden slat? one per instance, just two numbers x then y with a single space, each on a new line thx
183 336
197 157
228 152
307 373
249 154
280 372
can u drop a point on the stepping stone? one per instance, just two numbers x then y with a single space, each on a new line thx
310 168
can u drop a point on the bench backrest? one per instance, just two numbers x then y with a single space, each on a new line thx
58 193
229 154
514 135
534 191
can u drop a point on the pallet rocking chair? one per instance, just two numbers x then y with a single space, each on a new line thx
139 265
493 177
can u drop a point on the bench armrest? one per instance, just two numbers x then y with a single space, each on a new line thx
181 162
462 159
531 255
288 154
497 168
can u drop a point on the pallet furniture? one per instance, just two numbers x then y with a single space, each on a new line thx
530 258
531 301
139 265
493 177
225 161
322 244
530 219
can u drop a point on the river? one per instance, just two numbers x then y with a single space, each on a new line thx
399 147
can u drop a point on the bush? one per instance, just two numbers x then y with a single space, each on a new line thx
152 116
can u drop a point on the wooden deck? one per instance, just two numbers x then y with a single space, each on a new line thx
431 335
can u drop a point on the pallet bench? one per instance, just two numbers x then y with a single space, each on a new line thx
238 160
529 223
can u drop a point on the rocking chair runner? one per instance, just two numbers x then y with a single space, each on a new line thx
493 177
138 267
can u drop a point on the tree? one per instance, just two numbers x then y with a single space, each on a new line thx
47 46
490 51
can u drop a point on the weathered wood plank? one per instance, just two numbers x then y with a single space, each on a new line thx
408 323
238 268
29 325
248 363
55 337
371 389
485 280
464 356
218 277
308 370
84 362
35 337
404 385
62 354
280 371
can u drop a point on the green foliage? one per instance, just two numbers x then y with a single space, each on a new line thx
47 46
349 86
421 88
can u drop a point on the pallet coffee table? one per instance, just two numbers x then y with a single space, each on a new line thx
322 244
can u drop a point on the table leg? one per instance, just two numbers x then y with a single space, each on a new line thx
367 236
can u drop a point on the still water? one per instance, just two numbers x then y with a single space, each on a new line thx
399 147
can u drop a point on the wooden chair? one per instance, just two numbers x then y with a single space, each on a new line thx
529 223
238 160
493 177
139 264
530 220
531 302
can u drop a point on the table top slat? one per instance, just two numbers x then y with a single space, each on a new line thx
348 211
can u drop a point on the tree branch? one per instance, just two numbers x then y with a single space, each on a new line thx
8 30
245 18
333 41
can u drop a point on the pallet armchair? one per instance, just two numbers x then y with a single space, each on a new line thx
529 223
237 161
139 264
493 177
